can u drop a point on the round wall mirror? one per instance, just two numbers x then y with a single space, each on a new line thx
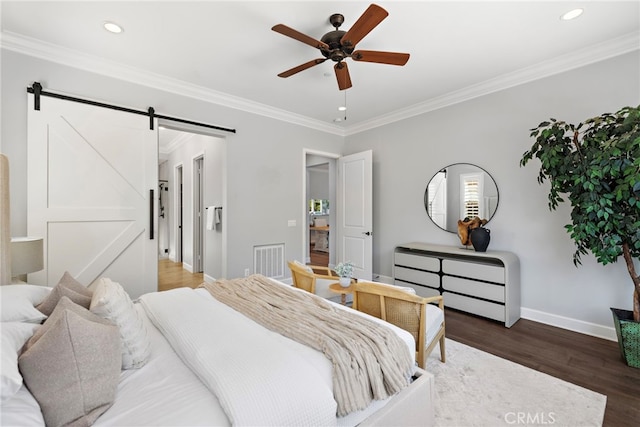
458 191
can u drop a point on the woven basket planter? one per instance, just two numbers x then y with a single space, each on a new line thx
628 333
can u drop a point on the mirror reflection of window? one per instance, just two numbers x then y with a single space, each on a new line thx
437 192
472 191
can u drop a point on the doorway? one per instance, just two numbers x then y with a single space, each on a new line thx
179 214
198 209
350 209
320 197
194 164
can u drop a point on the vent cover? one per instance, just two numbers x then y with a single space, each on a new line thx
268 260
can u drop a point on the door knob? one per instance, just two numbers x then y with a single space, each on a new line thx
367 233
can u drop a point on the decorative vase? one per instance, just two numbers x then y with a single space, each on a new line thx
345 282
480 238
628 333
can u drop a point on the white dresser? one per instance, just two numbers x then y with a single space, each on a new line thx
483 283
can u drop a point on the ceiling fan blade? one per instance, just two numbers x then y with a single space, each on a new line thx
302 67
391 58
367 22
342 74
297 35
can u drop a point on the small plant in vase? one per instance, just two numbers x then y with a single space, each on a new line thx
345 271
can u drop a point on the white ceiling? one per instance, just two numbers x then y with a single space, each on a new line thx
227 53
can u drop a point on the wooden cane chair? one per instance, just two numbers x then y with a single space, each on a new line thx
307 277
420 316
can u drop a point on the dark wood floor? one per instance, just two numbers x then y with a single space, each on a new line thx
318 257
589 362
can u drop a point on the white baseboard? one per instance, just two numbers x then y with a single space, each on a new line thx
187 267
587 328
208 279
382 279
599 331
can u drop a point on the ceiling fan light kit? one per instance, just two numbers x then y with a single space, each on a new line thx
338 45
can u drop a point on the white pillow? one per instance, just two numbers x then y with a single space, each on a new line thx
17 303
21 409
306 267
110 301
13 337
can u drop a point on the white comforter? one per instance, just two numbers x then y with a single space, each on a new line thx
272 379
257 380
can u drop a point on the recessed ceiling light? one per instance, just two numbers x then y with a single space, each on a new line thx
337 119
112 27
342 108
572 14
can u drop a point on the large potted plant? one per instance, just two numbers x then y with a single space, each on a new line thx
596 165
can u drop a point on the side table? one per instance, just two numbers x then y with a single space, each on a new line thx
339 289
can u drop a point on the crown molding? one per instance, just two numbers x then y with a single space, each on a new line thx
175 143
54 53
580 58
50 52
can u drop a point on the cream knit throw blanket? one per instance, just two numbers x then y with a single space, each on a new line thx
370 362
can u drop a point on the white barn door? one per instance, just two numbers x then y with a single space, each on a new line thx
355 217
90 173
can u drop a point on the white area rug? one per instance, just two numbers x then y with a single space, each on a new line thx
475 388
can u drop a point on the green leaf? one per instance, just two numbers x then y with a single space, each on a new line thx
599 174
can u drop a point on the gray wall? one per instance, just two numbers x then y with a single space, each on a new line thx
493 132
264 163
264 159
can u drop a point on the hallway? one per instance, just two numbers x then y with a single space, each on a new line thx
171 275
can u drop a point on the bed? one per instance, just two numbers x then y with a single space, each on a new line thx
182 357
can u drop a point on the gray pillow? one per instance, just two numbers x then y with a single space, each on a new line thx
69 287
64 303
72 366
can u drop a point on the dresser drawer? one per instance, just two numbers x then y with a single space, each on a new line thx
417 276
473 270
417 261
472 305
474 288
483 283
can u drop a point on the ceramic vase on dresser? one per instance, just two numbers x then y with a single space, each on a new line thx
480 238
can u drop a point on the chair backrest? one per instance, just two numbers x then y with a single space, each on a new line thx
394 305
302 278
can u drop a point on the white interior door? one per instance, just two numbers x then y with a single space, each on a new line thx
92 171
355 217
